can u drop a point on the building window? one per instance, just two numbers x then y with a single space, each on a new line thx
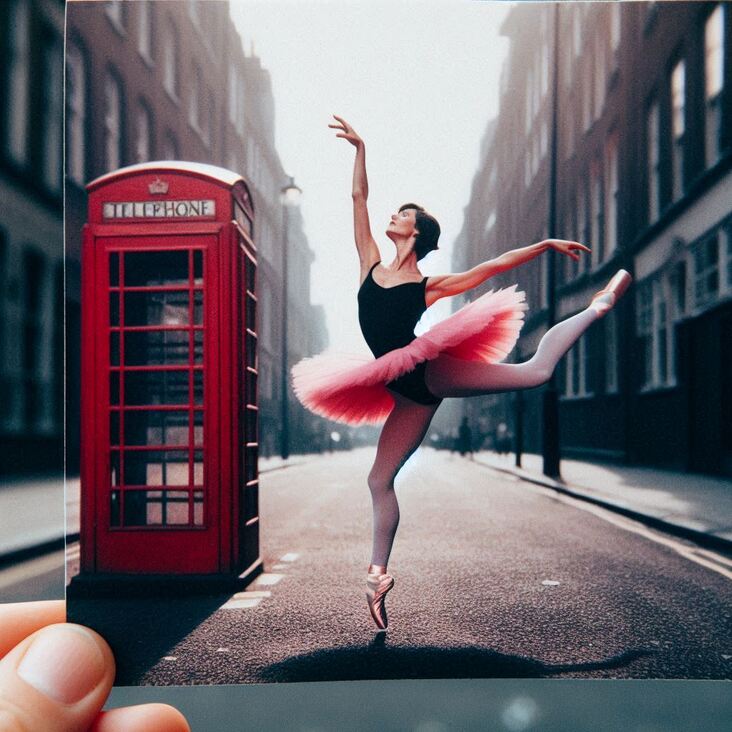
706 270
194 12
117 13
614 28
678 76
18 71
654 160
576 31
713 83
600 75
53 87
598 213
143 143
655 329
584 224
587 95
75 115
577 369
170 62
570 231
170 147
195 99
112 122
233 101
208 118
544 67
611 353
611 193
144 30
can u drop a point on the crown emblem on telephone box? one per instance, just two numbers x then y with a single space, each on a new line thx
158 186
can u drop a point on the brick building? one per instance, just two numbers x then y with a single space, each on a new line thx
643 177
31 237
170 80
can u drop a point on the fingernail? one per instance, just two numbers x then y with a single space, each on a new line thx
64 663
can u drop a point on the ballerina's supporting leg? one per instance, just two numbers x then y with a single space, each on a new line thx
401 435
450 377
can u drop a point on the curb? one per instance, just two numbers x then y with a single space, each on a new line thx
702 538
36 550
51 545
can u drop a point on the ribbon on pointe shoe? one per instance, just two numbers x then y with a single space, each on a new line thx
378 583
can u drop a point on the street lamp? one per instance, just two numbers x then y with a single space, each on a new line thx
289 196
550 448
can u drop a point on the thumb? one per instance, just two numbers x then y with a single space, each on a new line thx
56 680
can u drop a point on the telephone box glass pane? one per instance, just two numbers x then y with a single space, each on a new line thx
114 349
156 347
114 508
156 308
156 467
114 308
156 428
198 468
198 307
148 269
114 428
198 508
198 346
198 387
114 269
114 388
197 267
156 387
154 508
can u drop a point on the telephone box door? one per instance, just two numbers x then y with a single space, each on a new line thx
156 386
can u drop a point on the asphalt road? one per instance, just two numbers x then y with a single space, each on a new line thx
495 578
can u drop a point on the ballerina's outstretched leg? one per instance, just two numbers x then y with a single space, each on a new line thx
446 376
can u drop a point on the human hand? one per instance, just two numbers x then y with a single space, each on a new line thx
347 132
566 247
55 677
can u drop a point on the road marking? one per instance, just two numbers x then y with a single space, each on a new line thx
289 557
268 579
242 604
706 558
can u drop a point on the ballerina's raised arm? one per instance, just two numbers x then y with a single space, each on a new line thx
368 251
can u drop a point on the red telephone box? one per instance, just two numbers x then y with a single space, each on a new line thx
169 376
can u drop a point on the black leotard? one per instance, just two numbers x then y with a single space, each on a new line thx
387 316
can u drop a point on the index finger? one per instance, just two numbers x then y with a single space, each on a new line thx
341 120
19 619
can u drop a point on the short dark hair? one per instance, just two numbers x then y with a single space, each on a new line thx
428 230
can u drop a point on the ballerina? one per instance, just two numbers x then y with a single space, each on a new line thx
404 384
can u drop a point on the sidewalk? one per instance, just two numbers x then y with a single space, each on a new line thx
696 506
32 510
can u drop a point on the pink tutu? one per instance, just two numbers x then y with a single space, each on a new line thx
351 388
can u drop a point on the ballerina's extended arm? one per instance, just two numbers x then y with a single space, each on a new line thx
368 251
453 284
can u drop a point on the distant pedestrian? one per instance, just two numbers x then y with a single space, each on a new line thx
465 438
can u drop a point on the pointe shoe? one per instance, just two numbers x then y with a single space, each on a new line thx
377 585
606 298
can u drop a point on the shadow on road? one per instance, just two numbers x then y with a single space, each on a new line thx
141 631
379 661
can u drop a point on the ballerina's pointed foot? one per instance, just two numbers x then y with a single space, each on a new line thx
606 298
378 583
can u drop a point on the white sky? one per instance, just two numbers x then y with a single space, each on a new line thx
417 80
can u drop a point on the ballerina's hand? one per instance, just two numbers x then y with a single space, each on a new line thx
347 132
566 247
